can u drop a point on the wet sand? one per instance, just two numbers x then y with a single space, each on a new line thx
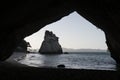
12 70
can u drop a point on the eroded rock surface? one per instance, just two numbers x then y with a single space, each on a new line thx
20 19
22 47
50 45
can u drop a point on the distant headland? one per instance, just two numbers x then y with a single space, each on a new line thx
83 50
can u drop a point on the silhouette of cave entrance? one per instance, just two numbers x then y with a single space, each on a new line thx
28 17
71 28
23 18
73 33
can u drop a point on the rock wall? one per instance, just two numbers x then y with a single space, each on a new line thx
23 18
22 47
50 45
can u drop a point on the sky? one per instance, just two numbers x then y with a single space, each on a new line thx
74 32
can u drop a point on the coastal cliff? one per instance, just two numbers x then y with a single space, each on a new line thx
50 45
22 47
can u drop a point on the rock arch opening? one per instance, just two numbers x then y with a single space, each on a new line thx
72 28
24 18
75 36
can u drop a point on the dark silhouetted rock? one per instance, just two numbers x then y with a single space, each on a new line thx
61 66
66 53
50 45
22 47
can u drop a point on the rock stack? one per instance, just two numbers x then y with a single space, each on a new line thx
50 45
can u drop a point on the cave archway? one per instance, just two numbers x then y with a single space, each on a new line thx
85 30
74 32
24 18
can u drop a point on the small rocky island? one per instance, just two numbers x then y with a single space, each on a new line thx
50 45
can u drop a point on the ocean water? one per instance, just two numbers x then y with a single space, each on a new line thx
74 60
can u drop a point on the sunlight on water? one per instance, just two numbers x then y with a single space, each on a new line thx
100 61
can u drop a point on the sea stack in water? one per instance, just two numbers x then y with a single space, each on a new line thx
50 45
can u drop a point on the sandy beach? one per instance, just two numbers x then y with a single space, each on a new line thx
12 70
11 62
